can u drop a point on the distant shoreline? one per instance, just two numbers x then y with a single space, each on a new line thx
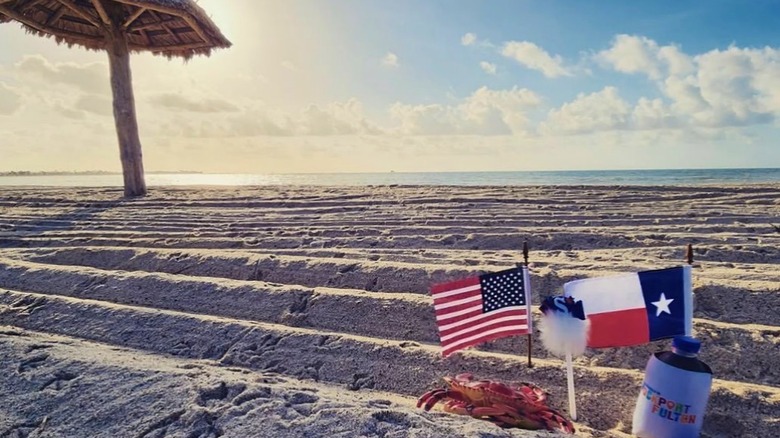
452 172
91 172
519 178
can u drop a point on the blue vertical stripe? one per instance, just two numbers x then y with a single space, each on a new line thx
658 288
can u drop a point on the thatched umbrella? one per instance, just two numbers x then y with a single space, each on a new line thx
173 28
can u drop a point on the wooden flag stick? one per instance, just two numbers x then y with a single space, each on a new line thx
570 386
530 334
689 291
689 254
525 252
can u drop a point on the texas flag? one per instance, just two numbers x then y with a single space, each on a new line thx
636 308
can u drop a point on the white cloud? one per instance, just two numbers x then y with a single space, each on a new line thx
69 112
488 67
91 77
632 54
485 112
255 122
684 94
9 100
535 58
740 86
505 106
638 54
677 62
95 104
432 119
338 118
604 110
652 115
719 88
289 65
468 39
181 102
334 119
251 122
390 60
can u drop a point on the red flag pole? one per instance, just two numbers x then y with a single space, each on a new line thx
530 334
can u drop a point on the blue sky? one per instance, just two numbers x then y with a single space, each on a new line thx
364 85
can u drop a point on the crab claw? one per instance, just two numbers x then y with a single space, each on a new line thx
555 421
532 392
464 377
430 398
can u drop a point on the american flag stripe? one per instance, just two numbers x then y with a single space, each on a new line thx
450 334
479 309
516 312
489 330
446 294
460 314
458 302
483 337
444 313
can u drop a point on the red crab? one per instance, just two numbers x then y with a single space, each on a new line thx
516 405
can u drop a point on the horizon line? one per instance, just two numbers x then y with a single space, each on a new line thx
195 172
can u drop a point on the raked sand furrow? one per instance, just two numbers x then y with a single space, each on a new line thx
484 241
382 316
347 225
256 219
682 207
135 394
748 264
687 212
609 214
339 228
358 362
371 276
384 273
723 195
602 198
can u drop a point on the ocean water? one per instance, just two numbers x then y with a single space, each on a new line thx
526 178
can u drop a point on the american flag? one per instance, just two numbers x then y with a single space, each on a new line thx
479 309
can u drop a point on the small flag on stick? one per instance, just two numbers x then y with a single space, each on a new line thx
634 309
483 308
564 332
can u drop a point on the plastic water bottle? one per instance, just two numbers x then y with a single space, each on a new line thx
674 394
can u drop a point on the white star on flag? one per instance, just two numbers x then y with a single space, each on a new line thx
662 305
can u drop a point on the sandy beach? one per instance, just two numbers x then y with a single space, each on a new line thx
304 311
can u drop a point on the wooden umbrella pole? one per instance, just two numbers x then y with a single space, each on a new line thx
124 103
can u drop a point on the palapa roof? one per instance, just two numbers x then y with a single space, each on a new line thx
166 27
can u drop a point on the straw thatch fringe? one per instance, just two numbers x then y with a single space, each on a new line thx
171 28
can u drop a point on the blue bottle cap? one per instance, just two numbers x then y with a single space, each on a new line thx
686 344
